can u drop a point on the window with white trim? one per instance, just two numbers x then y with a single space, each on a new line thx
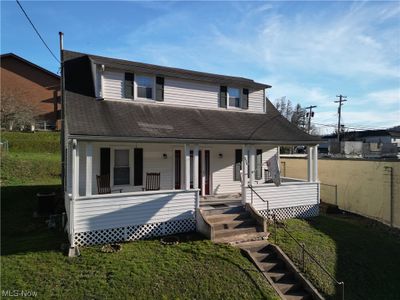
121 167
144 86
234 97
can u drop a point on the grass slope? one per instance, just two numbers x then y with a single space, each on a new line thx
31 257
362 253
33 158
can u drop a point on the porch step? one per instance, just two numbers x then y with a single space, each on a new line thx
225 210
228 217
225 233
233 224
240 238
279 271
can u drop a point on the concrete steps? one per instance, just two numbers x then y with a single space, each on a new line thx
279 271
233 224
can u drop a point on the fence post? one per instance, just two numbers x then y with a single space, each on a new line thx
336 199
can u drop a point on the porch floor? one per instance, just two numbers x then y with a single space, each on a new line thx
220 201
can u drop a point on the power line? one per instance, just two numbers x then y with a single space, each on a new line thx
37 32
352 127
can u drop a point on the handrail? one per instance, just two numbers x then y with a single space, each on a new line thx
253 191
304 250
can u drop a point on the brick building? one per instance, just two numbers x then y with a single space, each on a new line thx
40 88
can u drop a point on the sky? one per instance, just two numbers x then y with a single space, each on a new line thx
308 51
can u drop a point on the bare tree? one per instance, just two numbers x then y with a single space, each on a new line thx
298 117
284 106
16 109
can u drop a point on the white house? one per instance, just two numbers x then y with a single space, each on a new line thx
197 133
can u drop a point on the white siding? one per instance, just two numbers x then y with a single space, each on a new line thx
223 168
223 171
113 84
289 194
190 93
256 101
127 210
153 162
180 92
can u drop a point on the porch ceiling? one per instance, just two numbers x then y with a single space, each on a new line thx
89 118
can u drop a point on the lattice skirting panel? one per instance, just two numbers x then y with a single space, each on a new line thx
136 232
303 211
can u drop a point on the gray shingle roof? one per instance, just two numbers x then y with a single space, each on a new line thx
87 116
166 71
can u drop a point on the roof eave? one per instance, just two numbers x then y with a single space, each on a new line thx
98 138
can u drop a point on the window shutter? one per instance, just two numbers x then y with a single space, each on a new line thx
129 86
104 161
238 164
223 96
160 88
258 166
245 99
138 166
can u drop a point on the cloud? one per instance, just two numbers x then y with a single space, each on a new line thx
387 97
341 43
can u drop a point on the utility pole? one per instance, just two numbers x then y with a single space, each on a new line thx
310 115
340 101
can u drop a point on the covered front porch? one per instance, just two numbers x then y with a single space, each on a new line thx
189 175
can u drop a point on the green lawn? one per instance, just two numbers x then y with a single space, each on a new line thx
32 260
362 253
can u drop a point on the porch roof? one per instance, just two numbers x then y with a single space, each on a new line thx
88 118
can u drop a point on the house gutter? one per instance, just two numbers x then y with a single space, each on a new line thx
95 138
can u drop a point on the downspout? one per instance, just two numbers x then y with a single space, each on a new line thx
62 136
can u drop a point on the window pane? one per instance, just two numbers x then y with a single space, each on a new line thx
234 92
144 81
121 175
145 92
234 97
121 158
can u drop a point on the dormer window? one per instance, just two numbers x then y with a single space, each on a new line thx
145 85
234 97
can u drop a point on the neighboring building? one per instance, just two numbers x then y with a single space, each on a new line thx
169 141
38 86
366 144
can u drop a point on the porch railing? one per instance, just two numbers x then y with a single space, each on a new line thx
304 252
261 198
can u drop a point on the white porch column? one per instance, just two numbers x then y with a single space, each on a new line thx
75 169
187 167
252 162
196 167
315 164
203 173
89 168
244 172
309 163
